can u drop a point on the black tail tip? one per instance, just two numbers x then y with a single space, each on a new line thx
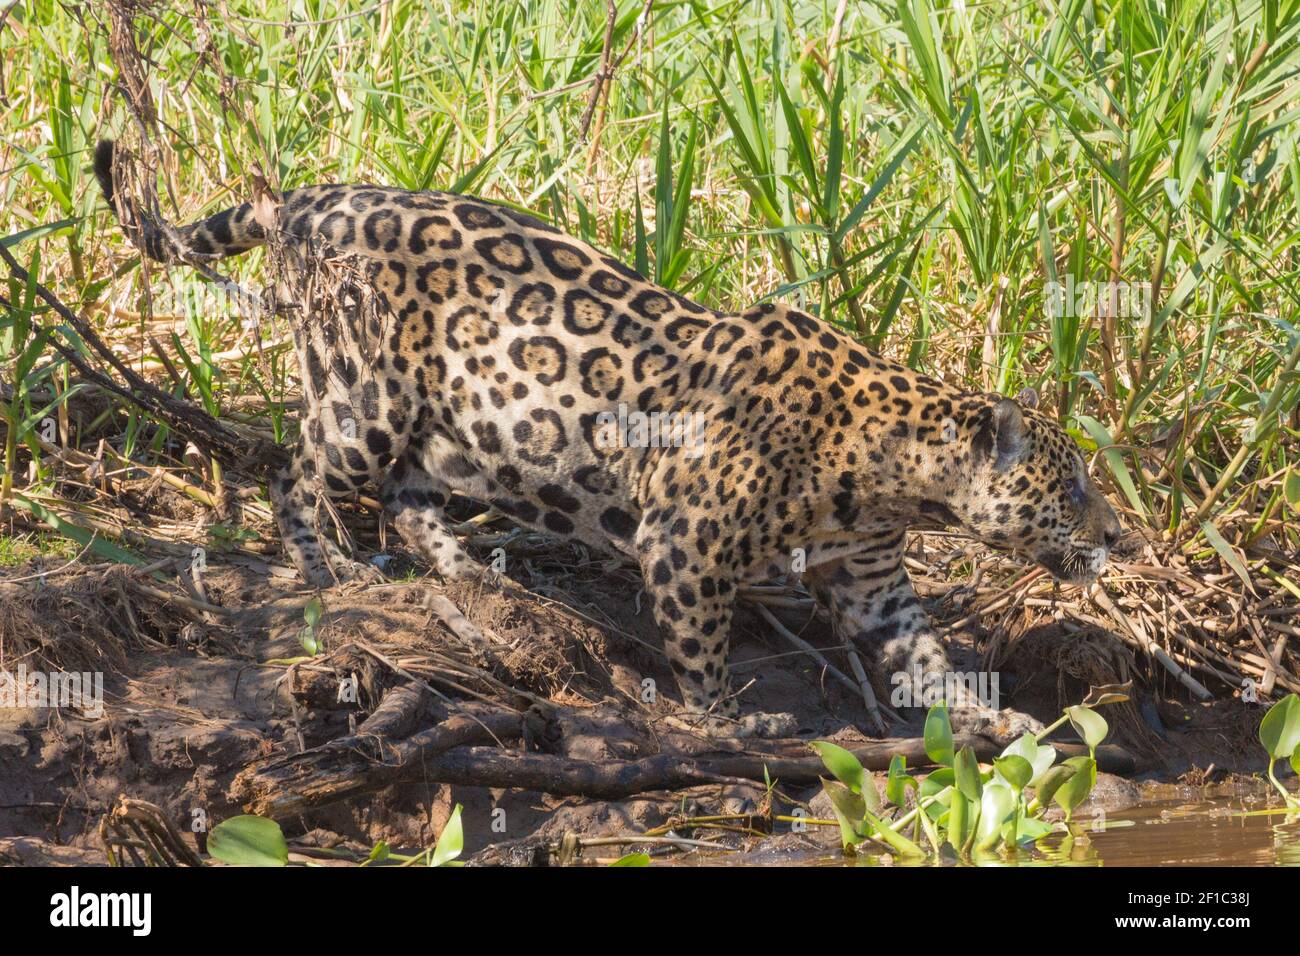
104 167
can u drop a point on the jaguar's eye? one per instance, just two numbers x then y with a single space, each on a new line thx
1075 490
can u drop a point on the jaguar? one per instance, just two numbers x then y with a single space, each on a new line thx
504 360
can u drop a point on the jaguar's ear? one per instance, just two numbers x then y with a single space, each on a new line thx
1027 398
1008 432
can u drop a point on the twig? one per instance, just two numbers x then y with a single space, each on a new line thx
863 688
1154 650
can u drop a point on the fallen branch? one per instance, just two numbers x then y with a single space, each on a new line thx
452 753
346 768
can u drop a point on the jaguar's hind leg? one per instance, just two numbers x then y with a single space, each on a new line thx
416 501
318 559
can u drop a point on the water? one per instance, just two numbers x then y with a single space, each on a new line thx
1167 827
1218 831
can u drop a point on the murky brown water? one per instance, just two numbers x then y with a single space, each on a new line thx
1169 827
1215 832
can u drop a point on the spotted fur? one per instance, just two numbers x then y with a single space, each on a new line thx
501 351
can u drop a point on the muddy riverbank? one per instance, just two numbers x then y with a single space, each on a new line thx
214 705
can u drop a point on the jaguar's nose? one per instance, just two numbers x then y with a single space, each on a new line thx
1111 536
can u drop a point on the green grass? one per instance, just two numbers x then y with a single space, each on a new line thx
20 550
919 183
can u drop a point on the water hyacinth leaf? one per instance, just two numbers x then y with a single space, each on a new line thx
1050 782
996 804
850 812
966 768
632 859
248 841
1015 770
1029 829
1040 756
934 786
896 840
1108 694
938 735
898 780
1279 731
1075 790
1023 746
450 842
1043 761
937 788
937 781
844 767
959 820
1088 724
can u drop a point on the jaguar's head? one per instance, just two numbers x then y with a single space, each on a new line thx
1029 492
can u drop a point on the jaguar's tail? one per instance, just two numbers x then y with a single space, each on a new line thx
228 233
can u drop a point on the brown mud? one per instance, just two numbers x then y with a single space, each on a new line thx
212 707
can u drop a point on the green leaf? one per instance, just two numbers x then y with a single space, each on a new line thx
1227 552
966 768
1029 829
248 841
842 765
850 811
37 232
450 842
1015 770
906 141
1088 724
1279 731
1115 460
307 638
1040 756
938 735
996 804
959 820
898 781
633 859
83 536
935 782
1050 782
312 612
1291 488
1075 790
896 840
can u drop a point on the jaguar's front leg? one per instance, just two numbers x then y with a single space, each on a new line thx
873 605
694 611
